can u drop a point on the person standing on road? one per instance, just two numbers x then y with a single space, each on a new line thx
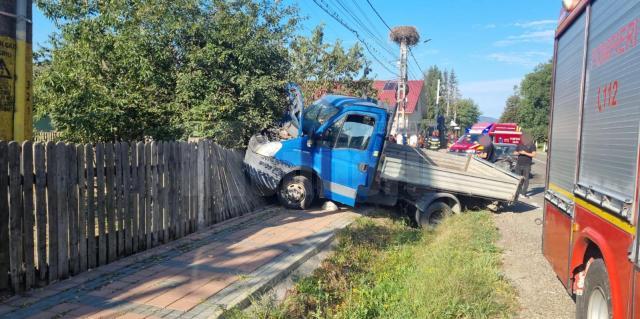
526 150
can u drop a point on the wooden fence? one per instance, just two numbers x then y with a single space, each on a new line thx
66 208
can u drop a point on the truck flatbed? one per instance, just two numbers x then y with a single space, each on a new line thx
468 176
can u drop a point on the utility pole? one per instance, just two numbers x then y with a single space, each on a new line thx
15 70
405 36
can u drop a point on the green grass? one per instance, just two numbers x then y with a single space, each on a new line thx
383 268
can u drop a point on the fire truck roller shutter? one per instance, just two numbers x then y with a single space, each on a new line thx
566 107
610 121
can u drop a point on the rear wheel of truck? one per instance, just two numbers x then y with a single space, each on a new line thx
433 215
296 192
595 301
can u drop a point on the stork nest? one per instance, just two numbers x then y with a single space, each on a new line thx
407 34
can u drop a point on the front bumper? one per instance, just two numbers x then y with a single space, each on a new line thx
264 172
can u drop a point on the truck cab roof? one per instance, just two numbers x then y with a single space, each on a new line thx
352 103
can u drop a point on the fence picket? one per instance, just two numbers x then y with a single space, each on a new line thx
165 192
92 252
52 210
110 201
28 216
125 227
140 162
63 210
72 195
148 208
100 204
132 233
119 197
82 208
41 211
15 217
155 191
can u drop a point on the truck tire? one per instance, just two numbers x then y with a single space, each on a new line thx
595 301
296 192
432 216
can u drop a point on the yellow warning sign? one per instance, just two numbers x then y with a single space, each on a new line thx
7 86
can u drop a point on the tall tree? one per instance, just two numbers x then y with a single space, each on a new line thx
430 89
319 67
535 91
510 112
165 69
468 113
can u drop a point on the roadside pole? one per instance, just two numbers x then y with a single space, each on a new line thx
16 70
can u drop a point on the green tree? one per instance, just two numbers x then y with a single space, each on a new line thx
510 112
430 90
165 69
319 67
535 93
468 113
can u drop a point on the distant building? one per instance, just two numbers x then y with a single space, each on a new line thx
416 104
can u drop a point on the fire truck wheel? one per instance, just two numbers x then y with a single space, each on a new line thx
296 192
595 301
434 214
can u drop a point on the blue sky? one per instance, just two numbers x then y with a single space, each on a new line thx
491 44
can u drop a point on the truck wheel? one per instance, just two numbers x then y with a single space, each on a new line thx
595 301
296 192
433 214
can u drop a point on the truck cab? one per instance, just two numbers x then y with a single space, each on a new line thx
334 154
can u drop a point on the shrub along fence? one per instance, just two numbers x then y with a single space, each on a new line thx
66 208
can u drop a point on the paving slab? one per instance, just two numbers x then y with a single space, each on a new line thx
198 276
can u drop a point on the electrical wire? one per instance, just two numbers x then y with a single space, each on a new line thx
325 7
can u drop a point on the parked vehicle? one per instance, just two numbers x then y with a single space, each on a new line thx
341 153
506 133
590 234
468 143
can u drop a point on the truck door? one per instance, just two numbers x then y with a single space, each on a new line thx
344 156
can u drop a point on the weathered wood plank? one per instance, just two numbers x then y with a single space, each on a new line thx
216 187
133 199
52 210
200 185
184 188
148 208
125 227
72 195
15 218
41 211
4 216
156 183
63 210
110 202
173 191
120 201
82 208
92 251
140 162
165 191
193 186
227 207
28 216
101 200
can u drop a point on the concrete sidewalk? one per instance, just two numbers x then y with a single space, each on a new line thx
195 277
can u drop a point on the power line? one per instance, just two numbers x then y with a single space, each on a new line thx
388 27
325 8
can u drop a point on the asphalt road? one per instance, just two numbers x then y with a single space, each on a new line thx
540 293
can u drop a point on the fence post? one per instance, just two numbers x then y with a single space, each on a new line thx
100 198
63 210
92 253
82 208
72 194
200 168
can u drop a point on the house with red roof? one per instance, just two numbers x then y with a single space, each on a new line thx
416 103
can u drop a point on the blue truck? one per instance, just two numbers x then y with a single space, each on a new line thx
338 149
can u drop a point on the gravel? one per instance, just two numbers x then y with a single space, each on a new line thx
540 293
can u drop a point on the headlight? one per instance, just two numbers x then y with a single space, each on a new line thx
268 149
471 151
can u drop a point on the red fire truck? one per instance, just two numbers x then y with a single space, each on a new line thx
591 199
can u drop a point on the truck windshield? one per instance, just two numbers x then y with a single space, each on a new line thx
469 139
316 114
